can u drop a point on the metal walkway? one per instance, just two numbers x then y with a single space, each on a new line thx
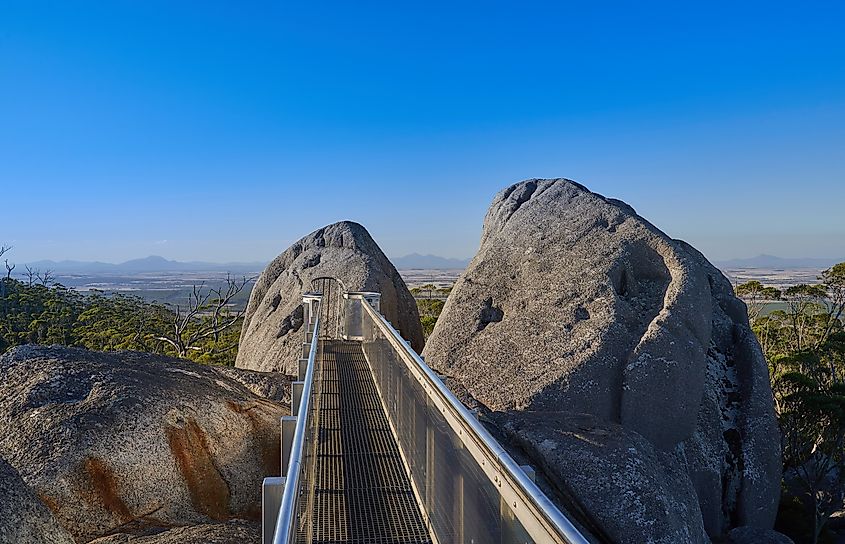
362 492
377 450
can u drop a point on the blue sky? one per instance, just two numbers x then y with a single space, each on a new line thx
226 130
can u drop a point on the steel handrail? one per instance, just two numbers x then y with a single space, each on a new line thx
531 495
287 512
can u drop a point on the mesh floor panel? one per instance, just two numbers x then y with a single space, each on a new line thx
361 490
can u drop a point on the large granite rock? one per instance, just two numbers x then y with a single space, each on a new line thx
574 303
232 532
627 487
126 441
24 519
268 385
754 535
272 335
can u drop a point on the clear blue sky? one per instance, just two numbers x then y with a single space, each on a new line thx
226 130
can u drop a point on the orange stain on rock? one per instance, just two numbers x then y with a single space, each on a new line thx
49 502
262 431
104 485
208 490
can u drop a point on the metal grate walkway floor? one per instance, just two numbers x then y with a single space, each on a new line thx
362 493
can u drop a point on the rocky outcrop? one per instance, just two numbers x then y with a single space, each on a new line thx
753 535
272 334
126 441
232 532
268 385
24 519
630 489
574 303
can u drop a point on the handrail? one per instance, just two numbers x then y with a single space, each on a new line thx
542 510
287 512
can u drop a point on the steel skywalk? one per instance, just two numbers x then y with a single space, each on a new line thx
379 451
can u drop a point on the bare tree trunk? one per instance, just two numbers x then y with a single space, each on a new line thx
188 328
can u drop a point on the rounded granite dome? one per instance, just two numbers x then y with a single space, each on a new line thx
272 334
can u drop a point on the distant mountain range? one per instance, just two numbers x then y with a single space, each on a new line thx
770 261
428 262
152 263
416 261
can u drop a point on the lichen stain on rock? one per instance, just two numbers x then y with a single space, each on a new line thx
104 486
271 449
208 490
49 502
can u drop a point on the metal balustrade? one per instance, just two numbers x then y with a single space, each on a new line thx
282 497
380 451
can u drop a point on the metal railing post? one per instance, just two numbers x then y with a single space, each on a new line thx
288 427
272 489
296 397
288 508
279 495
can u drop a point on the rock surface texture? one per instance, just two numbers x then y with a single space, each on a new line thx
753 535
574 303
24 519
268 385
232 532
272 335
121 442
625 483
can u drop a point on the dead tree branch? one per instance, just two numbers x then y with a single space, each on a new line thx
207 314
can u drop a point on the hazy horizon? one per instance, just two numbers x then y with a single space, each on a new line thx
225 133
24 255
262 262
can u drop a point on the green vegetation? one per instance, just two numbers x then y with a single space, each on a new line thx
431 291
430 300
38 311
805 347
429 312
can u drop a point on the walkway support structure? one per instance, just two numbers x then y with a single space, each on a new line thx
466 487
280 495
470 489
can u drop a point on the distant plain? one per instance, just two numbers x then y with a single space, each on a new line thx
173 287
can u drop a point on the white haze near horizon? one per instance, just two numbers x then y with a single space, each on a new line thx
429 261
446 234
